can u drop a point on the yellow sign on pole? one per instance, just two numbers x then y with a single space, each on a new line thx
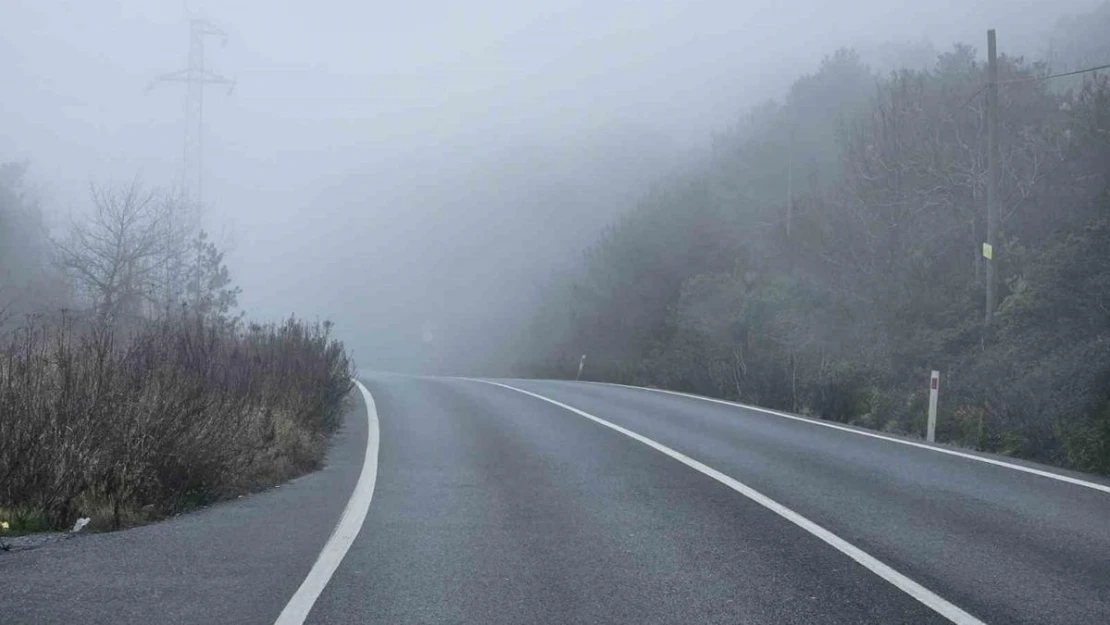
988 251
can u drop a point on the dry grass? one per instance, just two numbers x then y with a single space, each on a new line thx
178 413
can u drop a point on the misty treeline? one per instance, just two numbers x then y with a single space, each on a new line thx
129 387
136 254
827 255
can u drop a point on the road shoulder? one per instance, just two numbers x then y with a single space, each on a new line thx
235 562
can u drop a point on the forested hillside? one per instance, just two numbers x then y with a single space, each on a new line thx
827 256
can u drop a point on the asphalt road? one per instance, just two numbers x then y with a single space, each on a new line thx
493 506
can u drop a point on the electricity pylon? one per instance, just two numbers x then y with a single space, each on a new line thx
195 76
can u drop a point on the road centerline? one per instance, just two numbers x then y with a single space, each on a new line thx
922 594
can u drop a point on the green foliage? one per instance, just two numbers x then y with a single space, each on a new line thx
843 393
208 287
1087 443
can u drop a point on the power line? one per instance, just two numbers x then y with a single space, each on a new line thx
1061 75
974 95
1016 81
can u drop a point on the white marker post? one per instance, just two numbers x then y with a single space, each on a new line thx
581 363
934 390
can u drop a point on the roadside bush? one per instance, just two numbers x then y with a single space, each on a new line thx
844 393
182 411
1087 442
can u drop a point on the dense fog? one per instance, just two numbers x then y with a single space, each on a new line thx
420 173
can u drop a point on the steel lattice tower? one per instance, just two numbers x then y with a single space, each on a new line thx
196 76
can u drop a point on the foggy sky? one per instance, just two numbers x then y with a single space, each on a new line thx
375 155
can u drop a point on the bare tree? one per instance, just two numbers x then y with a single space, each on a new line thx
122 257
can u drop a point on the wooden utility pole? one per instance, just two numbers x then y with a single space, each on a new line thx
992 176
790 177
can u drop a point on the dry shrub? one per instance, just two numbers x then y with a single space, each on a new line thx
180 412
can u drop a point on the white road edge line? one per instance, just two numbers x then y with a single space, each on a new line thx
940 450
905 584
300 604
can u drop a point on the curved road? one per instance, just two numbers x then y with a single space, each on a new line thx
493 505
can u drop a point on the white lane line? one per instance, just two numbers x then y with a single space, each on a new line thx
296 611
940 450
917 591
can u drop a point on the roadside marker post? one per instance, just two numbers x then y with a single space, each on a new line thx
934 390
